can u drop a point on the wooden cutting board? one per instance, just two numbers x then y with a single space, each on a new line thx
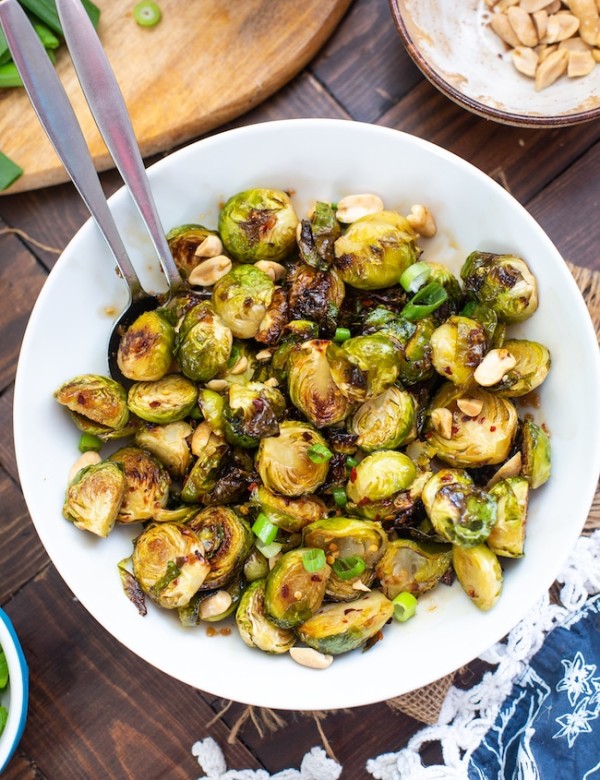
206 62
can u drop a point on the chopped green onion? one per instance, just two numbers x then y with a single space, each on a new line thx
351 462
341 335
319 453
264 529
3 670
45 10
88 442
415 276
340 497
349 568
9 171
268 550
313 559
426 301
46 36
405 606
147 13
10 76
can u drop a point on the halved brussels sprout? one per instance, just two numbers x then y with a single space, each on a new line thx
459 511
415 357
503 282
178 514
457 348
289 514
203 343
276 318
94 497
535 449
440 273
99 399
145 351
380 476
349 378
292 592
344 538
483 440
212 606
318 235
256 566
414 567
168 563
315 295
241 298
386 421
479 573
295 332
377 356
495 330
533 365
507 537
258 224
168 443
375 250
256 628
148 484
183 242
251 412
340 627
311 386
202 477
212 405
226 540
167 400
284 461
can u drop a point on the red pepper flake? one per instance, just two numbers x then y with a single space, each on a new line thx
353 474
447 370
492 428
454 430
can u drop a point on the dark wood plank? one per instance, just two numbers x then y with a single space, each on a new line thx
7 450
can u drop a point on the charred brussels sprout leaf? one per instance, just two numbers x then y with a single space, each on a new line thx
183 242
94 497
380 476
168 563
202 477
413 567
532 368
507 538
378 357
203 343
318 235
386 421
226 540
311 386
168 443
315 295
536 454
241 298
167 400
148 484
457 348
503 282
340 627
99 399
145 351
479 573
252 412
292 593
256 628
258 224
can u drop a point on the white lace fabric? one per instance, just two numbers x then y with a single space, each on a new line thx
466 715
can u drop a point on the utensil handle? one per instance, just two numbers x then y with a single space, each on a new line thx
108 108
58 119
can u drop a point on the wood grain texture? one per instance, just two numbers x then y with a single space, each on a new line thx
203 64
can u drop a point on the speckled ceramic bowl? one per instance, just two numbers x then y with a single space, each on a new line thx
15 696
453 45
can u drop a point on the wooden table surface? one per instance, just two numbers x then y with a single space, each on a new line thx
96 710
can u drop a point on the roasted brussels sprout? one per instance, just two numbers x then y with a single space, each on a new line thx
415 356
286 463
292 592
414 567
256 566
203 343
503 282
252 412
258 224
481 440
276 318
256 628
94 497
380 476
241 298
202 477
479 573
533 365
318 235
148 484
315 295
457 348
311 386
168 563
212 606
378 357
212 405
145 351
535 448
459 511
338 628
99 399
445 278
167 400
295 332
168 443
183 242
386 421
226 540
375 250
507 537
289 514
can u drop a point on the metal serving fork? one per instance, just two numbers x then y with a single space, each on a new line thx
108 108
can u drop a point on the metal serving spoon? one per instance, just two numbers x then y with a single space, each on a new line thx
108 108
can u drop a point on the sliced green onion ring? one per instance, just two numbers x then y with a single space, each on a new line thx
425 302
313 559
405 606
340 497
264 529
88 442
319 453
341 335
147 13
415 276
349 568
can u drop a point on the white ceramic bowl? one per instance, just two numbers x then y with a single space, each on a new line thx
323 159
15 697
453 45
